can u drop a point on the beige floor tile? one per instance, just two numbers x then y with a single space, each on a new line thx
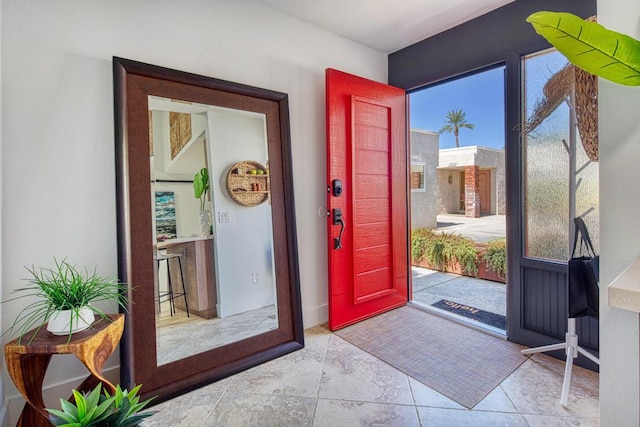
426 396
242 410
496 401
550 421
317 337
333 383
336 413
296 374
190 409
352 374
535 388
440 417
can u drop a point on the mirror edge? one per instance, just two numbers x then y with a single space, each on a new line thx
121 69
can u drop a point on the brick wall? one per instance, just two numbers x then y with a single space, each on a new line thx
472 191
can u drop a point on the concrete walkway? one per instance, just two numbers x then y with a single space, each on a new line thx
430 286
481 229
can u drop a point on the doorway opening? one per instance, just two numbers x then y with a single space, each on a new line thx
458 227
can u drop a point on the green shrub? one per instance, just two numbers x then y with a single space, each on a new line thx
495 256
442 249
466 253
419 239
436 253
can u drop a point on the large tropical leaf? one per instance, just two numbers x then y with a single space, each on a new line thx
590 46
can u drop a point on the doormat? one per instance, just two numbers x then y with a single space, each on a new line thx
458 362
496 320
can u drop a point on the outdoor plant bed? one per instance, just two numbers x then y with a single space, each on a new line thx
452 253
454 267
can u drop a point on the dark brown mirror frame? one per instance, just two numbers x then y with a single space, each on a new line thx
133 83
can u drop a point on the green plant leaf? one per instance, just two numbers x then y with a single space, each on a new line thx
70 408
61 417
81 404
590 46
198 185
201 185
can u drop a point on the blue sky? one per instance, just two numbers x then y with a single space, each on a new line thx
480 96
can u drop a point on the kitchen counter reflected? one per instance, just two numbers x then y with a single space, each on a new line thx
198 271
169 242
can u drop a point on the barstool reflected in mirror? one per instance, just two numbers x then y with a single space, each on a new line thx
169 294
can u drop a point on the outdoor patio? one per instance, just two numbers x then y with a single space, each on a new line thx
481 303
481 229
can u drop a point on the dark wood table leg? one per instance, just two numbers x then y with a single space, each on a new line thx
27 362
27 372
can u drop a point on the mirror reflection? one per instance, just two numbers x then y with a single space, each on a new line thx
212 227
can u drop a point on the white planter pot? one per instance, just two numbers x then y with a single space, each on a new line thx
204 221
60 321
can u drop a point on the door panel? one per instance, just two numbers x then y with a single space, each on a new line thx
550 162
366 151
544 308
374 234
372 258
485 191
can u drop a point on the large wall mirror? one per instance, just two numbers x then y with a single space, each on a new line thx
212 275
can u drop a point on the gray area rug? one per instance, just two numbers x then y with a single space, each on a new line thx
459 362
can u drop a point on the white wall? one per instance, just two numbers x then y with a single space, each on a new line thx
178 179
244 245
449 193
458 157
58 168
619 134
424 147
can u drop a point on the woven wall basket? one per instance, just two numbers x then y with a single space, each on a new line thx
245 188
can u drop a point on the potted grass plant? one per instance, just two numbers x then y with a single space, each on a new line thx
65 299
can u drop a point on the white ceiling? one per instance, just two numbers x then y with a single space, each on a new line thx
385 25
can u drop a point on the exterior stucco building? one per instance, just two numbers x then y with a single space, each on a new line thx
468 181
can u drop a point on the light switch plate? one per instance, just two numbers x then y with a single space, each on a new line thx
223 217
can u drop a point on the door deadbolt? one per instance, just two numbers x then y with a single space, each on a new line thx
336 187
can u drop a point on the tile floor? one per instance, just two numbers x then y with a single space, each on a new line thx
177 333
333 383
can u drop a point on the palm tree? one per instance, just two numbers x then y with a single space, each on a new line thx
455 121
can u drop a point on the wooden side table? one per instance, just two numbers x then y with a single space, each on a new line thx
27 362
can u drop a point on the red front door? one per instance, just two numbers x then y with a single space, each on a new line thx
367 223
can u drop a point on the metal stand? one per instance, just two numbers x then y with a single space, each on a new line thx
571 347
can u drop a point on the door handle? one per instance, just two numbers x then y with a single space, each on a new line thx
337 219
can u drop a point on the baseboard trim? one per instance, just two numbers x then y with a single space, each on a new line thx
4 414
315 316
